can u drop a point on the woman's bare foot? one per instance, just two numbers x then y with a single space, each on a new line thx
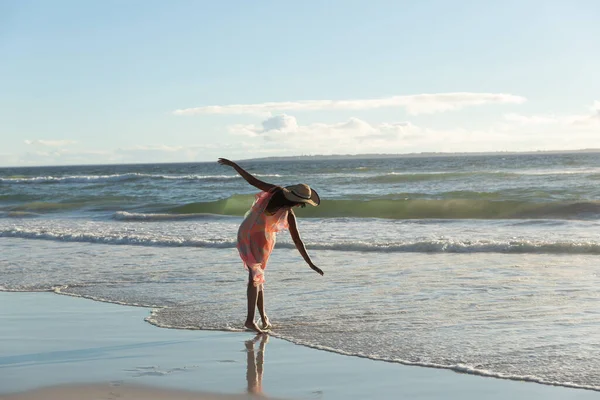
252 326
266 324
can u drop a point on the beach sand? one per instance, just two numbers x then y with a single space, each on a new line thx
60 347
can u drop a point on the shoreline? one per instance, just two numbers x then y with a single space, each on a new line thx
52 340
456 369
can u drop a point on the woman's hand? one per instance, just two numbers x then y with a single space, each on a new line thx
317 269
224 161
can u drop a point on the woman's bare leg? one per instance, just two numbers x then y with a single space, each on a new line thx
261 308
252 294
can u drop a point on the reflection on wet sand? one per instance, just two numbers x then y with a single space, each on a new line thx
254 372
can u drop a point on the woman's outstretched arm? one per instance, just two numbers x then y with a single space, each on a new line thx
257 183
298 242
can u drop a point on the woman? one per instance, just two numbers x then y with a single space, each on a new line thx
270 213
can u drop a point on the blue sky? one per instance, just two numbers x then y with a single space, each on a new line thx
156 81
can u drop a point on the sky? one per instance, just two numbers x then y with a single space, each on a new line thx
137 81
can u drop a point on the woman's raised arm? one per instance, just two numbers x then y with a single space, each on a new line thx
257 183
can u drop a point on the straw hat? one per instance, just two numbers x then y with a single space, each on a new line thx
301 193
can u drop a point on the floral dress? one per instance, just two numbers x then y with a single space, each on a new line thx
257 234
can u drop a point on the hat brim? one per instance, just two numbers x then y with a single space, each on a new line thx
314 200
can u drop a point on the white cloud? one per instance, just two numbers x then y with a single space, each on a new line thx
281 122
353 124
356 136
159 148
591 119
284 134
413 104
531 119
50 143
351 135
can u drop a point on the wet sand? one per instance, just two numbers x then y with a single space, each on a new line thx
55 346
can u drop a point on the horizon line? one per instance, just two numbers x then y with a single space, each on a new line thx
373 155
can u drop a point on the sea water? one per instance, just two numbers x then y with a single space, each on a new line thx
483 264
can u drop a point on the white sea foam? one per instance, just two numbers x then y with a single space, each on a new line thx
62 290
114 238
118 177
129 216
423 246
73 178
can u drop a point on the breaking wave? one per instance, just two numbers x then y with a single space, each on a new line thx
116 178
413 209
423 246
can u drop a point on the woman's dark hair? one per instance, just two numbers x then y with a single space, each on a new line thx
279 201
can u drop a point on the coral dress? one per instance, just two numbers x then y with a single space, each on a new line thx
256 236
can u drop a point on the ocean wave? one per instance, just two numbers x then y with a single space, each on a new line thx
113 238
44 207
458 205
129 216
399 177
91 203
118 178
452 205
18 214
17 197
413 209
364 174
72 178
423 246
571 171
